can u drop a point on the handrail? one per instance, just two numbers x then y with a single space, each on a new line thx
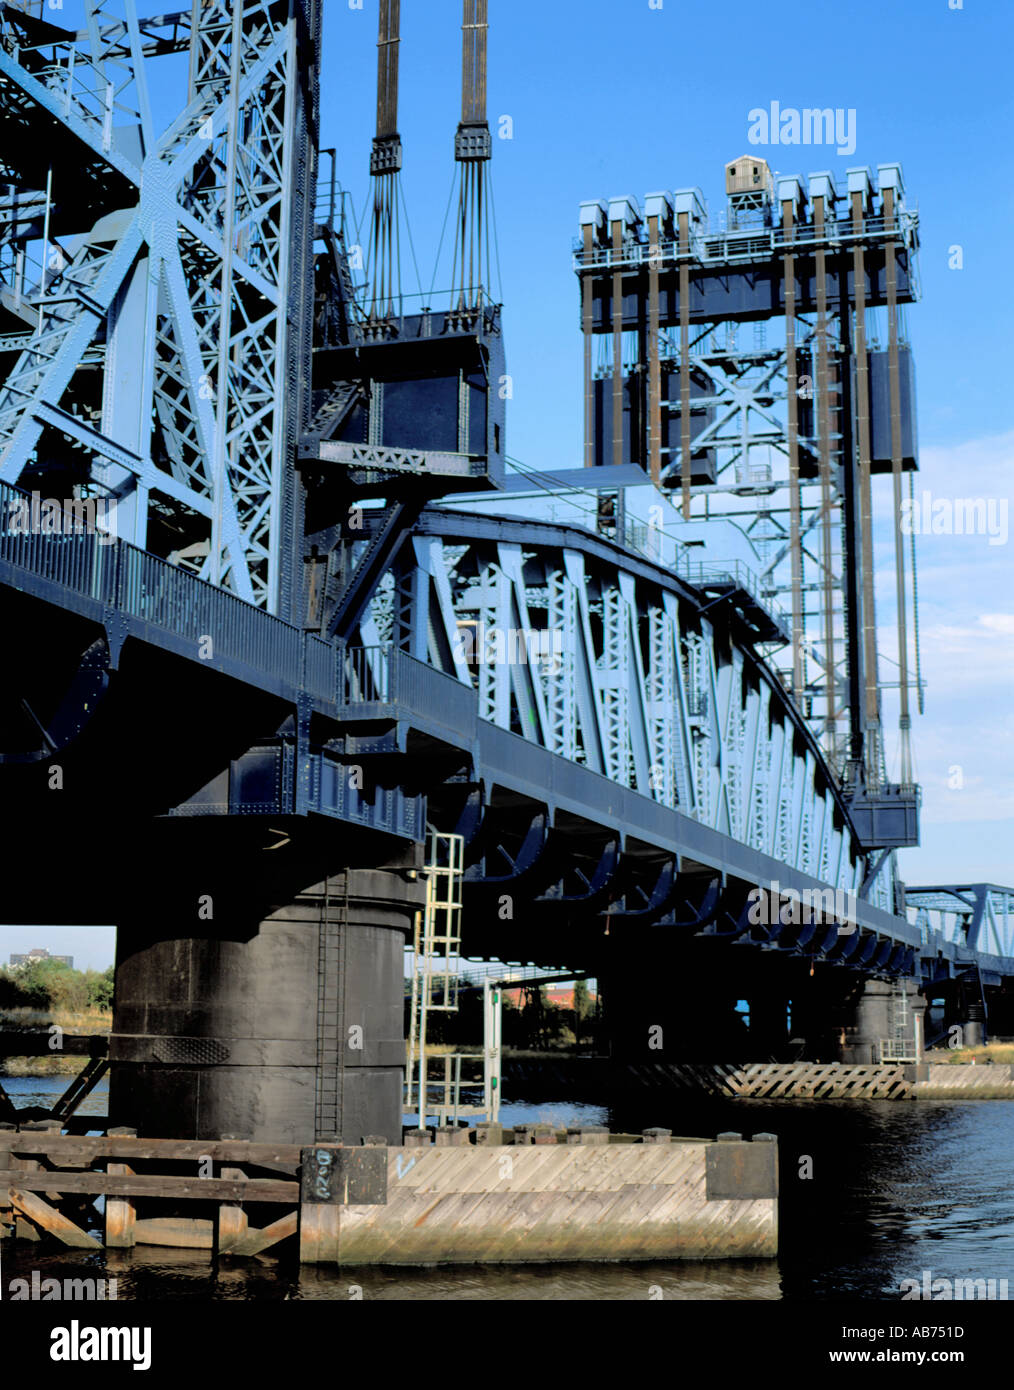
74 552
747 244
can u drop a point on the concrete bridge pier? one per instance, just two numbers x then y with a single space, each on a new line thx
885 1010
975 1025
288 1028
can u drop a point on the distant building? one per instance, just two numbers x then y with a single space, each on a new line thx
40 953
562 997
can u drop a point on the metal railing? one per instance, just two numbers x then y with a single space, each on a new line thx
364 676
214 624
749 244
387 675
117 575
701 573
171 599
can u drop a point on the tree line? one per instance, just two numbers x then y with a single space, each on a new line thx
54 985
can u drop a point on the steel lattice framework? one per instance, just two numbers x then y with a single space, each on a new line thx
606 660
172 261
719 359
979 916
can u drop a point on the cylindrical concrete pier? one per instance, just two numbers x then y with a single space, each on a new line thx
872 1022
975 1027
290 1031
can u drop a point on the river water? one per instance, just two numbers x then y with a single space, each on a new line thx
897 1188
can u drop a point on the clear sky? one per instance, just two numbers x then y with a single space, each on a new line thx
608 97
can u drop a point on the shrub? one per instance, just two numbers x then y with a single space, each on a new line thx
100 988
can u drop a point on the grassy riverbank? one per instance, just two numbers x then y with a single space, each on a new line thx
1001 1053
54 1063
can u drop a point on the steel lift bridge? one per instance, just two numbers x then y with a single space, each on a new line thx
251 655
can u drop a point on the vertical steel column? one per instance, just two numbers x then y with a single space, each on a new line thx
826 499
472 150
904 719
795 539
852 587
224 456
661 706
587 303
654 370
557 673
683 231
614 681
248 181
862 409
388 41
617 248
385 165
473 61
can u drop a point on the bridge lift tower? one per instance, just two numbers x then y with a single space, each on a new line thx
757 368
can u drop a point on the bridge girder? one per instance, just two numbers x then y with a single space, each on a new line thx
659 698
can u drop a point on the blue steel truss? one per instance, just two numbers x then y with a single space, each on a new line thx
754 807
166 259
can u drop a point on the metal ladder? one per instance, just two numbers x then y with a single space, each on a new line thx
436 976
900 1046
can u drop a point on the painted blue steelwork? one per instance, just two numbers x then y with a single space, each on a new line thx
785 836
978 917
172 257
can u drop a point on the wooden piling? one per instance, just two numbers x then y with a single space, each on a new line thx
231 1226
120 1212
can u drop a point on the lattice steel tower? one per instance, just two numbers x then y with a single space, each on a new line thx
781 434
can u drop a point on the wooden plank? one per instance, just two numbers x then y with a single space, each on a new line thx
255 1241
319 1230
5 1163
87 1148
230 1219
150 1185
179 1232
51 1220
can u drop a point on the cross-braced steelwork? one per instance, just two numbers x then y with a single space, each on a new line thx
172 262
542 619
979 916
780 434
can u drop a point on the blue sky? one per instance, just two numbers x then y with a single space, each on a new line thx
610 97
